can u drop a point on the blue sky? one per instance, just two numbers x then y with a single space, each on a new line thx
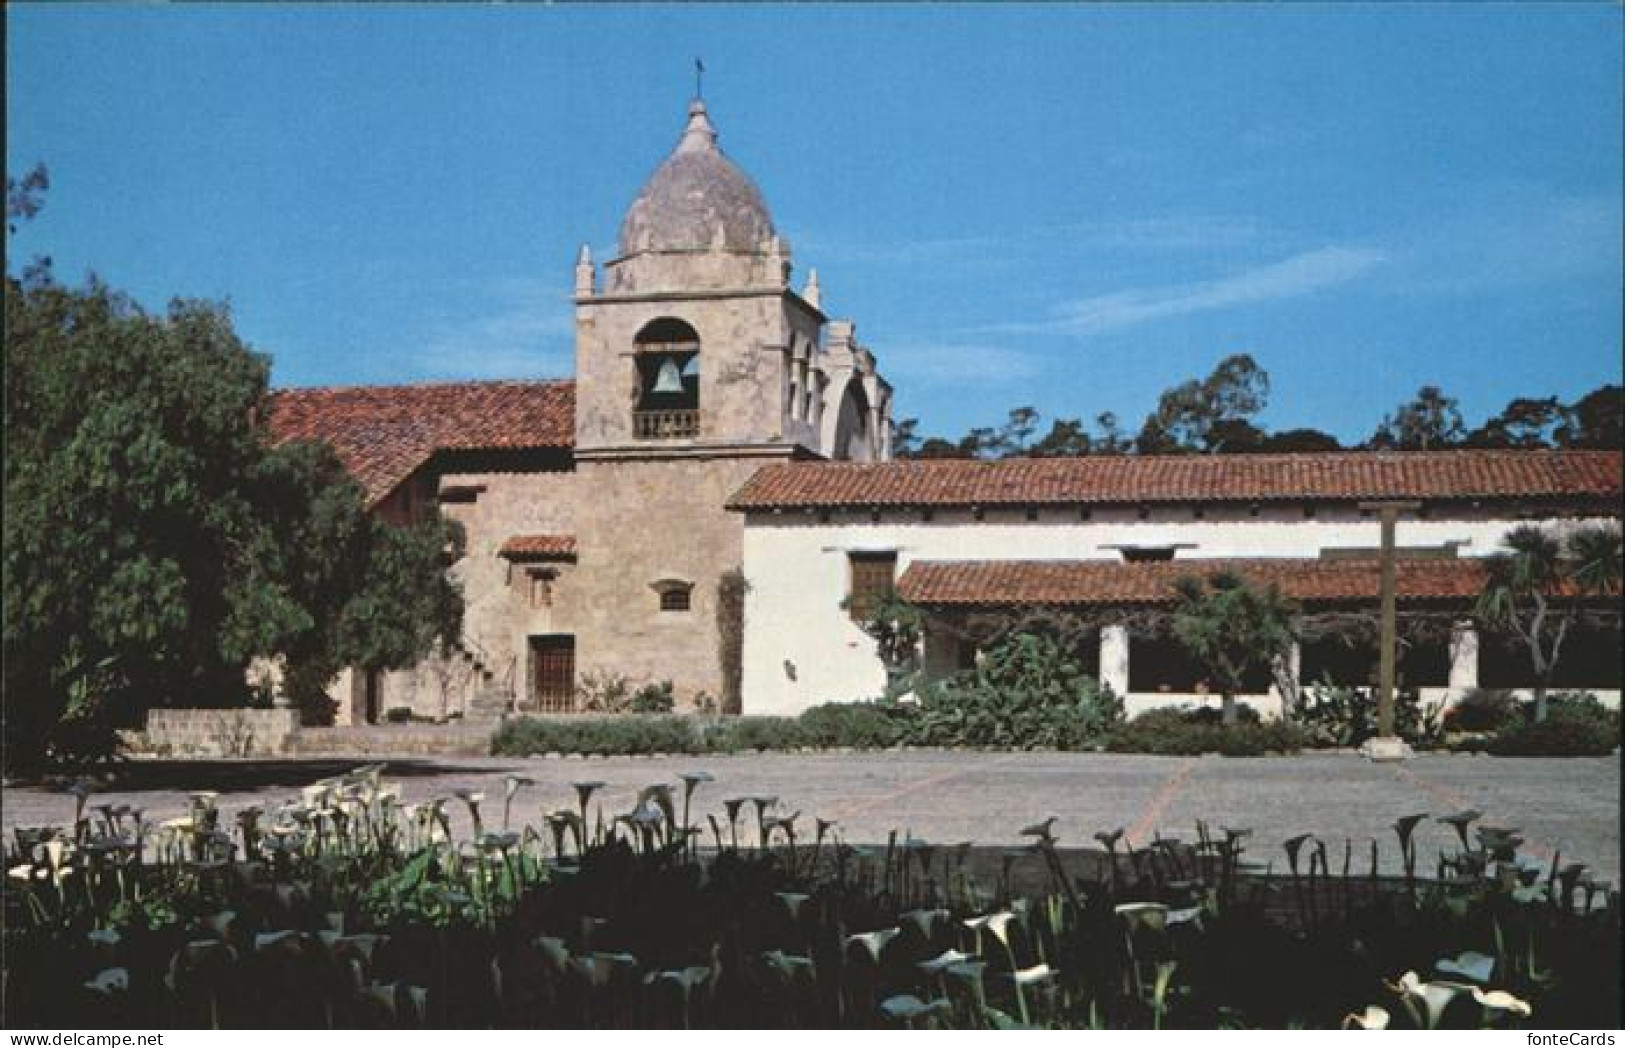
1068 207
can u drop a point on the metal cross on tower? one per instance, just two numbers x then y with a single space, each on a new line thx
699 79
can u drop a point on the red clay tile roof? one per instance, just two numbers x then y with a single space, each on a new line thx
1086 582
521 547
384 433
1136 479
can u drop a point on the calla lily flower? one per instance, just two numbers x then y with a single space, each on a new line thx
585 790
1435 996
1152 915
906 1006
686 978
1501 1001
268 940
1036 974
970 971
1041 830
873 942
110 981
1109 840
1295 845
554 950
999 925
925 920
787 963
1406 827
103 936
942 961
1460 821
1373 1018
793 902
512 784
1470 965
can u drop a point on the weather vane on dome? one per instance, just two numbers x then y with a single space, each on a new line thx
699 79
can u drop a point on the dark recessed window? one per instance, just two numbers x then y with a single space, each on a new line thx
675 599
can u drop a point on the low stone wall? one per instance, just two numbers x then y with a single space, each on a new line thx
218 733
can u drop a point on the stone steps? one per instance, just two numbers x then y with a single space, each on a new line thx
394 740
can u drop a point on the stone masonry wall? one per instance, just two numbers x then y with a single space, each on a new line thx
218 733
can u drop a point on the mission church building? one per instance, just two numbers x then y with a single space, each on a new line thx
711 501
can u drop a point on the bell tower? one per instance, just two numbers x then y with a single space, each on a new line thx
697 364
692 337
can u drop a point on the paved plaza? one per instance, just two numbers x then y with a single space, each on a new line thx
1561 805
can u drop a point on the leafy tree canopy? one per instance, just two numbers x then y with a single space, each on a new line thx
156 541
1231 627
1428 422
1209 414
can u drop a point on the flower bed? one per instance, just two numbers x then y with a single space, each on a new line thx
346 908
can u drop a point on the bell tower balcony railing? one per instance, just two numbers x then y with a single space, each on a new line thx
666 425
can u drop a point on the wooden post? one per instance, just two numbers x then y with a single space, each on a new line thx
1389 514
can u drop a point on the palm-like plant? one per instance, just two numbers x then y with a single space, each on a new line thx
1231 628
1539 587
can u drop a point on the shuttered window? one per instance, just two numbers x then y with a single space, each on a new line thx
872 577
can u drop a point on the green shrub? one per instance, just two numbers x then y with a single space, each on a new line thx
1184 731
1337 715
1576 725
1483 709
746 734
653 698
858 725
1030 691
595 736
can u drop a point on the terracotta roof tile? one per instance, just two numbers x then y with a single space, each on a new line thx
1095 582
1136 479
522 547
384 433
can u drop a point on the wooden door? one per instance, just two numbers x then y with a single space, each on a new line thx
553 674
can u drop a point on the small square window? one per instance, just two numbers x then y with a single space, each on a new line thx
674 599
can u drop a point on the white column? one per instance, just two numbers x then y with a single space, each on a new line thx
1463 657
1114 659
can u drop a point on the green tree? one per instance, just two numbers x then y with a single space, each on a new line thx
1207 415
156 540
1300 441
1066 439
1430 422
1232 628
1525 423
1597 420
1540 586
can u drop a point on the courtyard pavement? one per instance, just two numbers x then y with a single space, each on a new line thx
1567 805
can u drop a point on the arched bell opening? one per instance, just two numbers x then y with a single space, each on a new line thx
668 375
853 440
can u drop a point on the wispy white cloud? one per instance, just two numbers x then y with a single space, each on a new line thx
957 364
1301 274
1168 233
1508 237
526 330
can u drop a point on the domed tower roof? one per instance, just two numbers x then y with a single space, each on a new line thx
697 199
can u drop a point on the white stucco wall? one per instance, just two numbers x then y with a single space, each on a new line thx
802 648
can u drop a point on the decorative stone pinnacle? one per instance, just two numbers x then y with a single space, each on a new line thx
699 134
811 292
